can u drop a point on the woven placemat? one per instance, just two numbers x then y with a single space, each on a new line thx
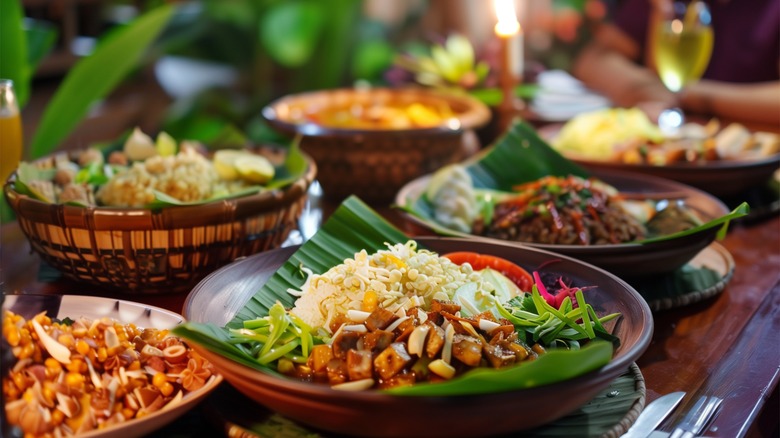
705 276
609 415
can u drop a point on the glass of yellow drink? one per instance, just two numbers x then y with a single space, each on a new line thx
683 44
10 130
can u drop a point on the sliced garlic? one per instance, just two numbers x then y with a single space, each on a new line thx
355 385
58 351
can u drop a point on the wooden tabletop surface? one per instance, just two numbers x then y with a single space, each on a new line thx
726 345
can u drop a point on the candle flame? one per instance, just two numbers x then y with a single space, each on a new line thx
507 18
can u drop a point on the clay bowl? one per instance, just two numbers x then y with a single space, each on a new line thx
222 294
374 162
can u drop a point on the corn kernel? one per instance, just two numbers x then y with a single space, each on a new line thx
128 413
370 301
159 380
52 365
74 380
26 351
82 347
75 365
57 417
12 335
66 340
102 354
166 389
135 365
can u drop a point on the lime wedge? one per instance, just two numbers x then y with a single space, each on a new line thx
225 163
254 168
165 144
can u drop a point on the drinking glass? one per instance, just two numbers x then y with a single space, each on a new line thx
683 44
10 130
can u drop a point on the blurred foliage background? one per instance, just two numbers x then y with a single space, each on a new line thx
220 61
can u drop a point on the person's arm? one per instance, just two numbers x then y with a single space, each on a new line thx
753 102
607 65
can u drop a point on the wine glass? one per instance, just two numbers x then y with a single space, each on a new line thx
683 44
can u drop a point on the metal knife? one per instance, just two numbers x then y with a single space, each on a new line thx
654 414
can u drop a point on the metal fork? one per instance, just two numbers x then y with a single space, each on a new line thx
697 418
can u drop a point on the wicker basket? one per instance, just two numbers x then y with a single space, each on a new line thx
169 250
374 164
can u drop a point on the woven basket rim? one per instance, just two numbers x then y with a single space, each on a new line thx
220 211
475 115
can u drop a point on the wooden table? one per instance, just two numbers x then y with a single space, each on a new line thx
725 346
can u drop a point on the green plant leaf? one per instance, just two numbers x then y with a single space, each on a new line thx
41 37
13 47
290 31
95 76
355 226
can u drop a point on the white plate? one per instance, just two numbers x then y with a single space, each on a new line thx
142 315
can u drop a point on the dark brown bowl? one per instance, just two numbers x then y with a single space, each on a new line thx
724 178
624 259
167 250
219 296
374 163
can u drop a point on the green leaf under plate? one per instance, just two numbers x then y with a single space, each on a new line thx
355 226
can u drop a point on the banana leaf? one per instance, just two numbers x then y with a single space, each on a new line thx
355 226
521 156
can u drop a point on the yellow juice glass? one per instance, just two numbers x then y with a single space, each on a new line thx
10 130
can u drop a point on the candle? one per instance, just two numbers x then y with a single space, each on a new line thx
511 35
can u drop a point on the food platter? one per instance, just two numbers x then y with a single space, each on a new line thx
722 178
626 259
222 294
142 315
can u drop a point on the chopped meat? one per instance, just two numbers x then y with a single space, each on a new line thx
319 358
444 306
392 360
359 364
343 342
467 349
379 319
377 341
338 371
498 356
435 341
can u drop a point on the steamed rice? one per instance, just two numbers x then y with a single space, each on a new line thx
402 277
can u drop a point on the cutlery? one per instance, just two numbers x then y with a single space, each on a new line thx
654 414
697 418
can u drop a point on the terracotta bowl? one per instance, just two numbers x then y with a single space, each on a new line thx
222 294
167 250
374 163
624 259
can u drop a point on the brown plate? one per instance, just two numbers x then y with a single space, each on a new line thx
240 417
723 178
625 259
219 296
